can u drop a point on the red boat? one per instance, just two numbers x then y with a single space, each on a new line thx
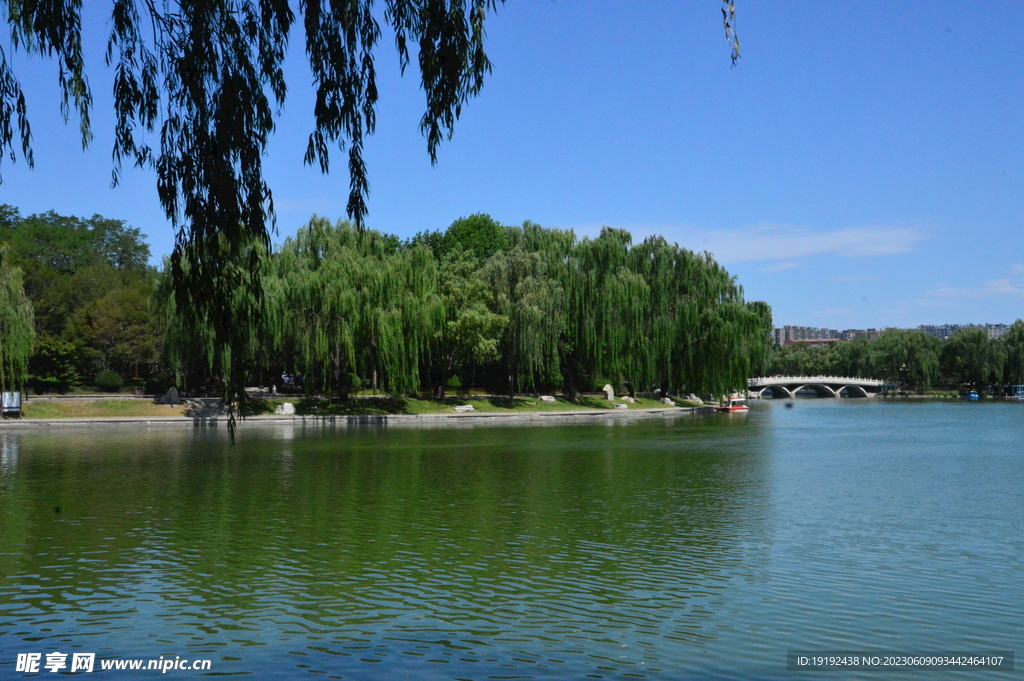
732 404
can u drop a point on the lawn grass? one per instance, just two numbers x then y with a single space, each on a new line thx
69 409
417 405
53 409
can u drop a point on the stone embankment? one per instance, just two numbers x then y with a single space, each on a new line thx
214 420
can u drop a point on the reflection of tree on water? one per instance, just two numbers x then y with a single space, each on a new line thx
10 446
575 539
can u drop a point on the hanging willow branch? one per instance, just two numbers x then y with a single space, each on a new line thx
352 304
17 327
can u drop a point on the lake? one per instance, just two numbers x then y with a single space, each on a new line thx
683 547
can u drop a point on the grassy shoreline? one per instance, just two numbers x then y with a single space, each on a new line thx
86 408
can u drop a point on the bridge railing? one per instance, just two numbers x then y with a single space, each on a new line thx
804 379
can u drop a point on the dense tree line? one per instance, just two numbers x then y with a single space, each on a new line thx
84 306
912 359
513 309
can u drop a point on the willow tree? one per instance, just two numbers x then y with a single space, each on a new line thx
908 358
469 332
607 303
354 307
658 315
193 347
1014 342
17 327
705 337
525 280
971 358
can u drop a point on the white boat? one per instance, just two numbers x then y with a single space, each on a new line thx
732 404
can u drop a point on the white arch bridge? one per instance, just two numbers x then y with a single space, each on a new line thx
825 386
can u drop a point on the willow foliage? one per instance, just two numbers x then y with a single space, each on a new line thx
17 327
657 315
528 293
354 307
470 331
195 342
532 308
1014 340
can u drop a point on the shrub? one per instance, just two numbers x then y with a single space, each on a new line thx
155 387
109 381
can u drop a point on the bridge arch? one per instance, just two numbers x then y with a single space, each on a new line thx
820 388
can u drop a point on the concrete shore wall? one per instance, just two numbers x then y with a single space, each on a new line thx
465 419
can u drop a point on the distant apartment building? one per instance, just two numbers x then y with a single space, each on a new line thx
947 330
850 334
788 335
997 330
943 332
812 335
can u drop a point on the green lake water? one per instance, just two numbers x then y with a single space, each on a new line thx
684 547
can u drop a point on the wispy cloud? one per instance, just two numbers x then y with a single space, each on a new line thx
1006 287
770 242
780 247
996 288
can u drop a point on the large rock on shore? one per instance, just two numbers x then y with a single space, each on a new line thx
172 397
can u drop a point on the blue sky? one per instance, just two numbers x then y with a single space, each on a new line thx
863 166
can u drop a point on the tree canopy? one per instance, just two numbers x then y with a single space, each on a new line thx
88 281
516 309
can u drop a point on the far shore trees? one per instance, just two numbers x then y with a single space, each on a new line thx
1014 340
89 283
911 359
